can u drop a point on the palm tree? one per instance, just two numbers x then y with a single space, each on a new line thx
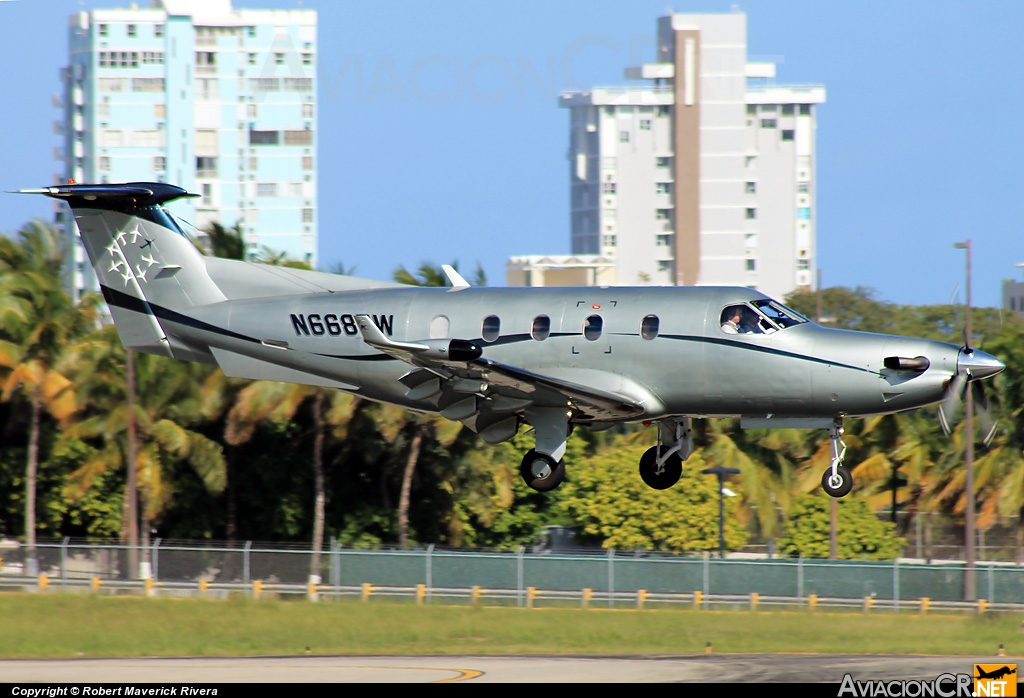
38 320
264 401
227 243
166 409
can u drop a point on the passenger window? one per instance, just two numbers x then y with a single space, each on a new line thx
740 319
649 327
491 328
592 327
541 327
439 327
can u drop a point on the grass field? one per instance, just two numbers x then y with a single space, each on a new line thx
70 626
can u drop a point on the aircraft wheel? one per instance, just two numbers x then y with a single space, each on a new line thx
842 484
541 472
669 475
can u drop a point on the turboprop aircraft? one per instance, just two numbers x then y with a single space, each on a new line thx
496 358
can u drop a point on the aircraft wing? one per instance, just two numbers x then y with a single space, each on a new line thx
452 369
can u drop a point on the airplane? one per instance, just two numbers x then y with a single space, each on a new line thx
995 673
496 358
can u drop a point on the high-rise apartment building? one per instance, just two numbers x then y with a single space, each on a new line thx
218 100
703 175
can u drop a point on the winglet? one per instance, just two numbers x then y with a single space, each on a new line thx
458 283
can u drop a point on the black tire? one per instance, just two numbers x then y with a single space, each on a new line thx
844 486
669 475
541 472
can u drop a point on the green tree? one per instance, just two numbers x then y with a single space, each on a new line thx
38 318
166 409
613 507
227 243
861 535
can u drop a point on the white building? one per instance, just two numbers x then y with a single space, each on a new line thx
217 100
704 175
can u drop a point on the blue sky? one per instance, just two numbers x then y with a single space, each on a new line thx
441 138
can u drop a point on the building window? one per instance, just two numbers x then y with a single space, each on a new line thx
751 110
307 162
664 265
159 163
102 29
298 84
663 111
751 187
206 58
278 59
803 264
158 30
645 124
252 162
803 214
751 265
307 59
751 214
303 137
787 134
206 166
266 189
104 164
490 329
787 110
663 162
649 327
264 84
264 137
663 214
663 240
769 108
252 32
131 30
769 123
307 111
541 328
307 215
252 59
147 84
805 110
802 187
250 110
608 240
295 190
623 136
608 187
592 327
663 188
207 199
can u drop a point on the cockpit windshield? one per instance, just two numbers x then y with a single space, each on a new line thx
765 317
780 314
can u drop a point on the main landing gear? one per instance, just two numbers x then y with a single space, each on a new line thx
543 468
836 480
662 465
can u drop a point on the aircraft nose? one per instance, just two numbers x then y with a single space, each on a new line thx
979 364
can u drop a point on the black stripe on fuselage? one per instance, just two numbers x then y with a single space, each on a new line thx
120 299
764 350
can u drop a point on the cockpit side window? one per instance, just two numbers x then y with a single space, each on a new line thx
742 319
779 314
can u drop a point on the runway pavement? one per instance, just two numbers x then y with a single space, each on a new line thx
747 668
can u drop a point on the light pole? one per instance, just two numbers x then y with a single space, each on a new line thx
969 591
721 473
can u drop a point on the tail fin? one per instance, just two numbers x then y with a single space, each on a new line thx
147 268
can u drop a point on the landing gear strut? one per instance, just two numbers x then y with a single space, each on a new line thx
836 480
543 468
662 465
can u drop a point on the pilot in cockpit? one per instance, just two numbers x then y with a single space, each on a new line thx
731 319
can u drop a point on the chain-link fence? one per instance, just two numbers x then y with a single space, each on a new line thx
609 572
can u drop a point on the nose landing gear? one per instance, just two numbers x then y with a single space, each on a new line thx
661 466
836 480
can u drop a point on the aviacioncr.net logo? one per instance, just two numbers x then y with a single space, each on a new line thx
943 686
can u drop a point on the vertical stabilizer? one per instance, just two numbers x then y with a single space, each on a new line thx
147 268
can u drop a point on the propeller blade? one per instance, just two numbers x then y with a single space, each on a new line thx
986 424
954 399
943 422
